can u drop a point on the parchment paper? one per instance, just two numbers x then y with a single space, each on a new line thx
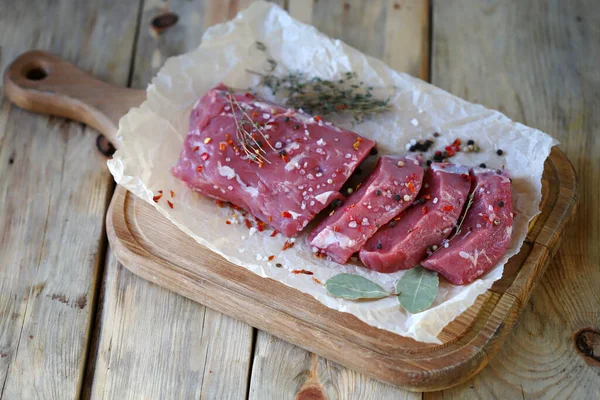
152 137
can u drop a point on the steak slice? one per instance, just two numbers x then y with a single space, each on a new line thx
402 244
485 232
389 190
303 163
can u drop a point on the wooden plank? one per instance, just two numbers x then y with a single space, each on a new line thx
531 60
282 370
192 351
156 344
53 196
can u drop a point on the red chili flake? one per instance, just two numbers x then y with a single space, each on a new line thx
249 95
230 142
448 208
260 164
247 222
157 197
485 217
196 148
271 258
205 156
456 142
357 186
199 168
227 136
316 280
466 176
411 186
349 207
286 214
228 222
244 213
254 114
287 245
170 204
172 193
341 107
284 158
260 226
427 197
220 203
274 233
318 118
301 271
336 228
320 254
450 153
222 146
237 208
424 210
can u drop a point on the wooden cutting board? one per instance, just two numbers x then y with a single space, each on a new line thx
153 248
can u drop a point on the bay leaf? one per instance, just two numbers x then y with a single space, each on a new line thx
354 287
417 289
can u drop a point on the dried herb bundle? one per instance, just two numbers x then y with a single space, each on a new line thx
321 96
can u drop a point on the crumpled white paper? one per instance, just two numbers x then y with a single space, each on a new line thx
152 136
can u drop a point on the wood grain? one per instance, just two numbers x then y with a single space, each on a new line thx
54 192
532 61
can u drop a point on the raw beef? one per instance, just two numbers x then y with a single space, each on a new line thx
389 190
403 242
282 165
485 232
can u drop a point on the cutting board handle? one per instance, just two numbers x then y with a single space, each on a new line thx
41 82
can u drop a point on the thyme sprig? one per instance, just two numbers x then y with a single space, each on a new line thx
464 215
322 96
245 129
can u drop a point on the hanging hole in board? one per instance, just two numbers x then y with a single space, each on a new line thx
104 146
36 74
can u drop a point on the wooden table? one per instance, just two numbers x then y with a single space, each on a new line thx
73 322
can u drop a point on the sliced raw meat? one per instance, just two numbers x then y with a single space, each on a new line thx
402 243
389 190
485 232
291 168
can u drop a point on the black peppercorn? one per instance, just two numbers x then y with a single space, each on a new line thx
429 163
397 197
470 143
500 203
482 165
337 203
378 193
499 152
379 246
